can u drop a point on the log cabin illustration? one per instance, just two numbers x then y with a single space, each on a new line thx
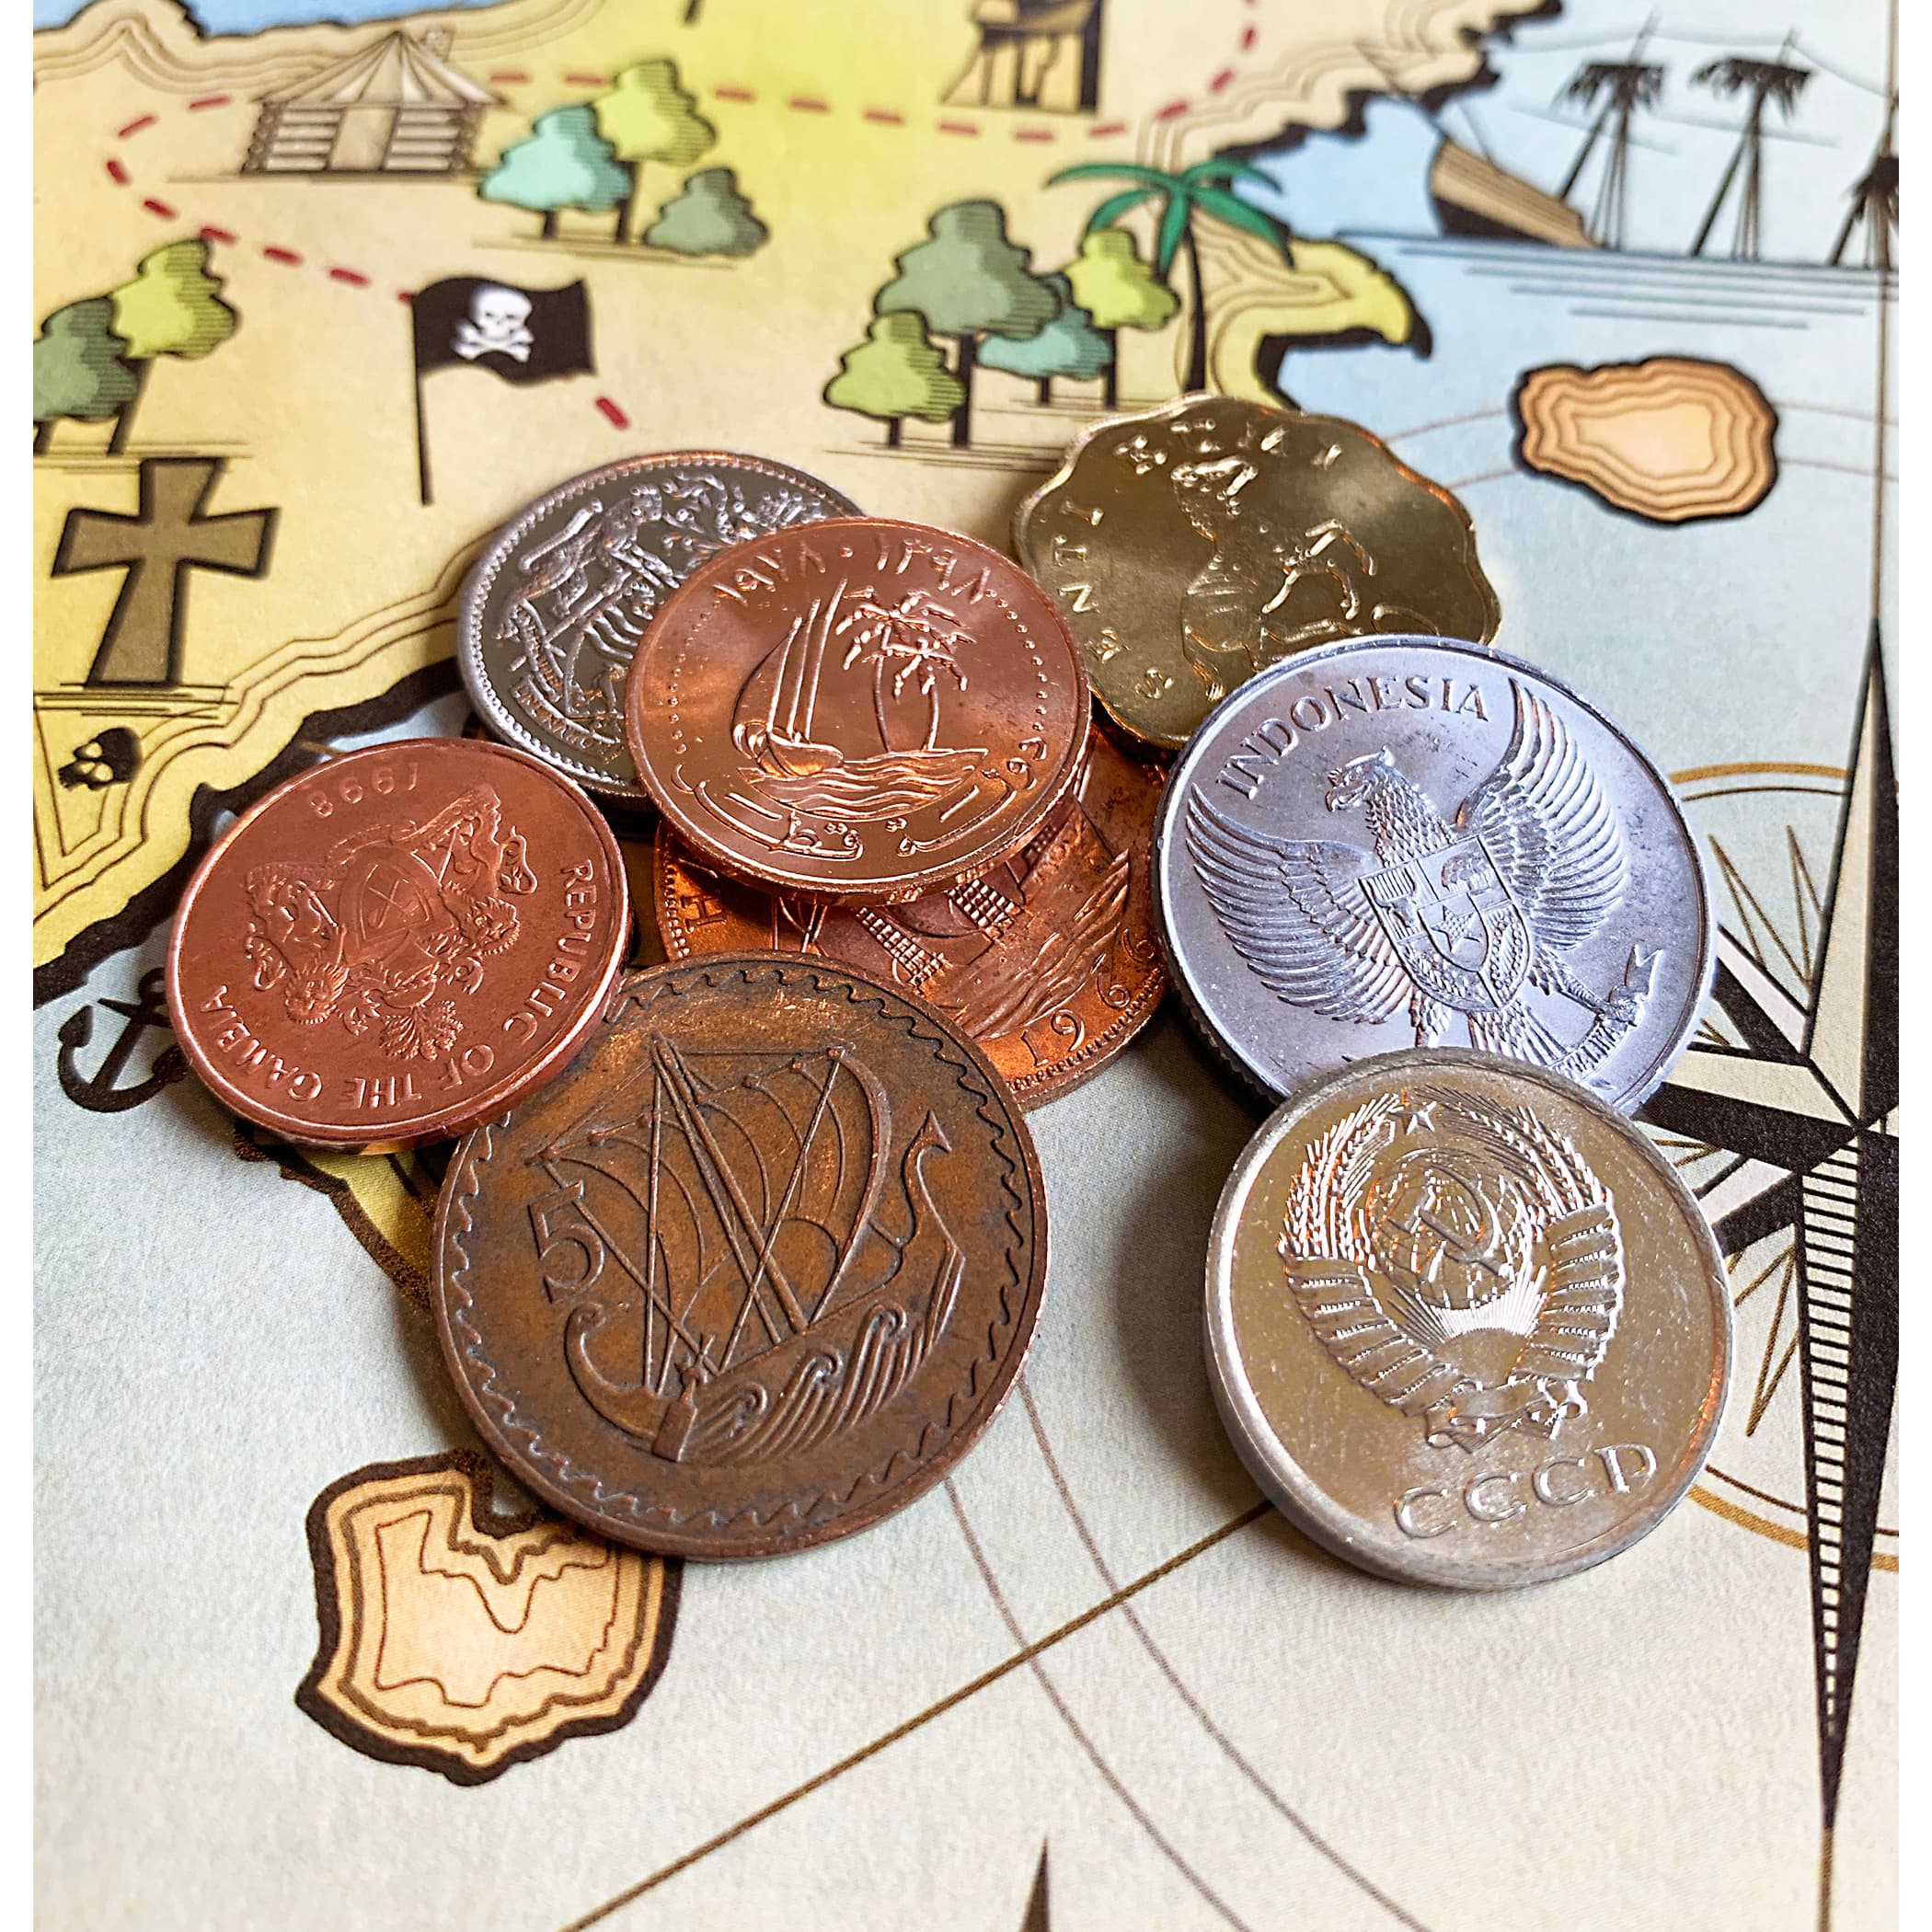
1034 54
396 106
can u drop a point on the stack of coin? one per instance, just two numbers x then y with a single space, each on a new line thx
742 1252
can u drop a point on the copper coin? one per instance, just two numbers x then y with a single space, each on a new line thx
756 1272
399 943
858 707
1049 960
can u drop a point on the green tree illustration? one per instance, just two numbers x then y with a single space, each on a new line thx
564 162
648 117
1199 190
1069 345
173 306
708 216
79 368
1113 284
968 281
896 373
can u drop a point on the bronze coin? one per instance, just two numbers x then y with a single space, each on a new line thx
1049 960
860 708
756 1272
399 943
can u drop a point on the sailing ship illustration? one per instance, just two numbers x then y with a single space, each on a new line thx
752 1261
841 726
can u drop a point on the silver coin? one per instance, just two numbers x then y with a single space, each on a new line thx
553 613
1403 842
1465 1325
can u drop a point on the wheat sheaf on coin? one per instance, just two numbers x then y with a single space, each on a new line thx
1459 1259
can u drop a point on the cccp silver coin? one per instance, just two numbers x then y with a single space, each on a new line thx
1465 1325
1403 842
553 613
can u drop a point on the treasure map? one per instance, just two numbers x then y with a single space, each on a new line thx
319 305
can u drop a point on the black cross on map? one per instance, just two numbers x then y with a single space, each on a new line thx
157 546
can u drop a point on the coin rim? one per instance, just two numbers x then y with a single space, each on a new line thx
490 701
1023 516
1273 1464
1652 1076
370 1136
1031 1090
910 886
889 1498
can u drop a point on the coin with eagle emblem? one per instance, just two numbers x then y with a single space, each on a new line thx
1411 841
1465 1325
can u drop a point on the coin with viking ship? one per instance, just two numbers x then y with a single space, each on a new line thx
1194 545
755 1272
859 708
1049 961
1465 1325
1416 842
398 943
552 613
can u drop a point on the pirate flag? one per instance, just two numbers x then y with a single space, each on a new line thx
522 334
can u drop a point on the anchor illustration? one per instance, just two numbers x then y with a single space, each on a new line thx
101 1094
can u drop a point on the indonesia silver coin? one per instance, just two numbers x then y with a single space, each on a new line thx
1408 842
553 613
1465 1325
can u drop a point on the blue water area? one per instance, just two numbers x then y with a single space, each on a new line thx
251 16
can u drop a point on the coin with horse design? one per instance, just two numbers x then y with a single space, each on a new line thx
1418 842
553 611
755 1272
858 708
1465 1325
398 943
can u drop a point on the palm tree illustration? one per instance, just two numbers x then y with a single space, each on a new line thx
915 639
1203 189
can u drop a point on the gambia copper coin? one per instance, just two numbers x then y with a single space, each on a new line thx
1193 545
756 1272
1049 961
1416 842
399 943
1464 1323
860 708
553 611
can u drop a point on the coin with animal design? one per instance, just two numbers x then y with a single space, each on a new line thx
1194 545
398 943
858 708
1049 961
1418 842
553 611
1465 1325
755 1272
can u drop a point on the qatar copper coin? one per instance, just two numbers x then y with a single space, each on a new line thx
756 1272
1415 842
1464 1323
859 708
1049 961
1193 545
553 611
398 943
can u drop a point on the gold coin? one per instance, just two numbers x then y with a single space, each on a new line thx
1192 545
1465 1325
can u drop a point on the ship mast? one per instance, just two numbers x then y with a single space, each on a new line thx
1776 83
1625 87
1875 200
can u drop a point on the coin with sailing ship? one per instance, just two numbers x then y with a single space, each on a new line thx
552 613
398 943
1465 1325
755 1272
1416 842
1049 961
858 708
1193 545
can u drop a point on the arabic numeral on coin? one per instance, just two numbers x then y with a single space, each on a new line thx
570 1251
1053 1038
382 779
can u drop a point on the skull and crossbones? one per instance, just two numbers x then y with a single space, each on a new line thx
495 325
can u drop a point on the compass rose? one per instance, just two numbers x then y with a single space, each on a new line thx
1788 1107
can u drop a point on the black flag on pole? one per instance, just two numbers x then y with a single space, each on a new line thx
520 335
